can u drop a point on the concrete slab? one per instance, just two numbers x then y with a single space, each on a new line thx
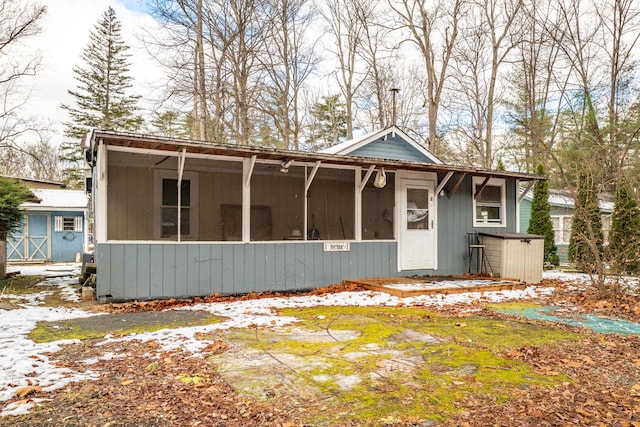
405 286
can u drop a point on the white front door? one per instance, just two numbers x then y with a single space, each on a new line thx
417 234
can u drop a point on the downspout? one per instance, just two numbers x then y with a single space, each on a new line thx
181 158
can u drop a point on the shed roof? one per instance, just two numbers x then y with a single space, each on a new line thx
563 199
57 199
173 146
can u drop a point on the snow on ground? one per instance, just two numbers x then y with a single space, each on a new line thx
22 361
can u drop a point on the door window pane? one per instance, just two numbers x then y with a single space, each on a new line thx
417 208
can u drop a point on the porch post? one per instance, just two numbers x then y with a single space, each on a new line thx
358 205
247 170
100 222
181 159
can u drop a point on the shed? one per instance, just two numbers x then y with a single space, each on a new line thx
177 218
517 256
54 227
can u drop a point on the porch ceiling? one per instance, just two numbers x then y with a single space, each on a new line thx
176 145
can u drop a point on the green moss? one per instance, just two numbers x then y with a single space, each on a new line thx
381 363
190 379
99 326
21 284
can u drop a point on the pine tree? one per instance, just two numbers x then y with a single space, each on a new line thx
624 243
540 222
12 194
586 242
101 96
329 122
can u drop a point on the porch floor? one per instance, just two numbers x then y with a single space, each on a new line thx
407 286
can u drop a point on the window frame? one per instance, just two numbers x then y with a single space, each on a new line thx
161 175
493 182
68 224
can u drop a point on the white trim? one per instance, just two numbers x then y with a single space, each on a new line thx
518 201
493 182
101 180
359 186
247 170
419 178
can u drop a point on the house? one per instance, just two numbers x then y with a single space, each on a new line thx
180 218
54 227
562 207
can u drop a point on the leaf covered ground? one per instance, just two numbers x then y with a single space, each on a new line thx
458 365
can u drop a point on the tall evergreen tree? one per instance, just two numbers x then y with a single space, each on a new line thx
540 223
101 97
586 242
624 242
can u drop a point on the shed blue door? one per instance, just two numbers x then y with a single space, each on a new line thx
32 241
38 237
17 244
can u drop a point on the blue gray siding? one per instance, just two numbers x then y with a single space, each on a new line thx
525 215
66 244
393 148
147 270
455 220
129 271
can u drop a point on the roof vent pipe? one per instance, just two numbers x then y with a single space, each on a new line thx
394 92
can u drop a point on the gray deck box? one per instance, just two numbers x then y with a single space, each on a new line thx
515 255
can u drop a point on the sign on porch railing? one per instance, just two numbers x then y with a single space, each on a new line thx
337 247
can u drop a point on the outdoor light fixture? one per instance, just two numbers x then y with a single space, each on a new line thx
285 166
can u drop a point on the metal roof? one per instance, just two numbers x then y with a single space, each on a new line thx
176 145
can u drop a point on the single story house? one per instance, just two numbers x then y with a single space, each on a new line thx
54 227
562 207
180 218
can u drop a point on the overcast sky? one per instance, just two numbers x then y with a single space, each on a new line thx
65 33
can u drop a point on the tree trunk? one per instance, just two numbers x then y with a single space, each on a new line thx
3 255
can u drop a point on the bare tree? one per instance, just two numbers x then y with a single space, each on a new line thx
289 59
347 21
620 33
18 21
433 28
483 51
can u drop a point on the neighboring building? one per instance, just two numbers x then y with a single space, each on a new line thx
54 228
178 218
562 207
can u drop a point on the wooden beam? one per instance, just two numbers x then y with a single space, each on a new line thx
444 182
312 175
366 177
484 184
531 184
249 171
456 185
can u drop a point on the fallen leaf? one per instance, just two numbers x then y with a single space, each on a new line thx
25 391
126 381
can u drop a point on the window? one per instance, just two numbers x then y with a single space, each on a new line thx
167 205
561 229
68 223
169 224
489 204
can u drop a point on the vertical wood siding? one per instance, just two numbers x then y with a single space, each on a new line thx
159 270
392 149
455 220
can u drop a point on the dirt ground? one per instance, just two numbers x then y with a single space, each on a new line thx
399 366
